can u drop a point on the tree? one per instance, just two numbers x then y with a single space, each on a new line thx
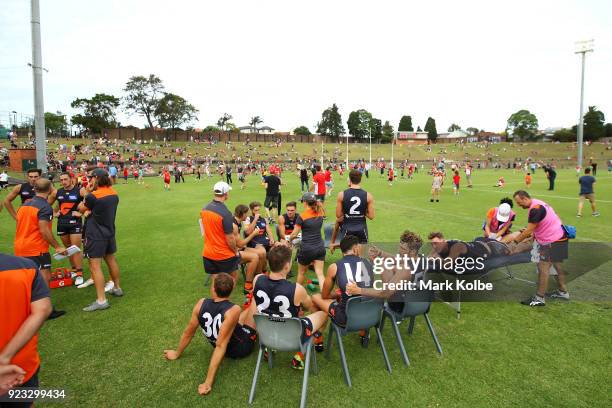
224 120
454 127
405 124
173 111
301 131
430 128
255 120
98 112
232 128
472 131
608 129
387 133
564 135
523 125
359 123
143 96
210 129
331 123
376 129
56 123
594 124
419 129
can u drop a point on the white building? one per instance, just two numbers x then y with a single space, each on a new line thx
264 130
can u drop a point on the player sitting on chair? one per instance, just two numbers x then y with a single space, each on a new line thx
222 324
276 296
351 268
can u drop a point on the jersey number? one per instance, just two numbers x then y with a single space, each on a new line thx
359 276
283 302
211 325
353 210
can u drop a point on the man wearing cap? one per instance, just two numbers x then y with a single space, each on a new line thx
499 220
220 252
100 206
550 246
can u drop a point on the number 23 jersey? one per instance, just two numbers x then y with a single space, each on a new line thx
275 297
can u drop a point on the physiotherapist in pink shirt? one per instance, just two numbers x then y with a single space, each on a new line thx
551 245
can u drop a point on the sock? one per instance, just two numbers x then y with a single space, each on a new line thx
362 333
248 286
101 303
540 298
318 337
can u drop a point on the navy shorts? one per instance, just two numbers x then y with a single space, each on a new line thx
228 265
43 261
99 248
242 342
306 256
337 312
69 229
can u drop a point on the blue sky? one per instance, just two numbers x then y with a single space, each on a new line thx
469 62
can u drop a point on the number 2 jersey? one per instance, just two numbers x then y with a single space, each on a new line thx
354 208
210 318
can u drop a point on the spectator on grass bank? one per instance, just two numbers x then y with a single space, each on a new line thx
24 307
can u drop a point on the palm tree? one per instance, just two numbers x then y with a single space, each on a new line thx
255 120
223 120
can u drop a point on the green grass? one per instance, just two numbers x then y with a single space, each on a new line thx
501 354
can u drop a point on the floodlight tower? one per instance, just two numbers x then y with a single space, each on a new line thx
39 109
582 47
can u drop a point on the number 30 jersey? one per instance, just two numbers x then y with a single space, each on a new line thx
211 316
275 297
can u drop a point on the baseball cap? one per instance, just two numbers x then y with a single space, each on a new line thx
99 172
503 212
309 197
221 187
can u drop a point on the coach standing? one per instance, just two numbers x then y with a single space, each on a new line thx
34 234
220 252
550 245
24 307
101 206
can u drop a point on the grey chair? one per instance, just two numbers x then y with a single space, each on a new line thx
413 303
362 313
328 229
282 334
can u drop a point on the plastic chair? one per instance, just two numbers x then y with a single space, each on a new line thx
361 314
328 229
415 303
282 334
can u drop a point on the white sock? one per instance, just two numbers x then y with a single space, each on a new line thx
101 303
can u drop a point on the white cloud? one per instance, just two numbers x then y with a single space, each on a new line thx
470 62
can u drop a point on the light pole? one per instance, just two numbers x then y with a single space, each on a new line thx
582 47
14 119
370 147
347 160
39 110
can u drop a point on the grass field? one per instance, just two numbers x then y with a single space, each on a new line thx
497 354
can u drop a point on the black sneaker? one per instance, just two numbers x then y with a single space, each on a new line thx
365 340
534 301
55 314
318 342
